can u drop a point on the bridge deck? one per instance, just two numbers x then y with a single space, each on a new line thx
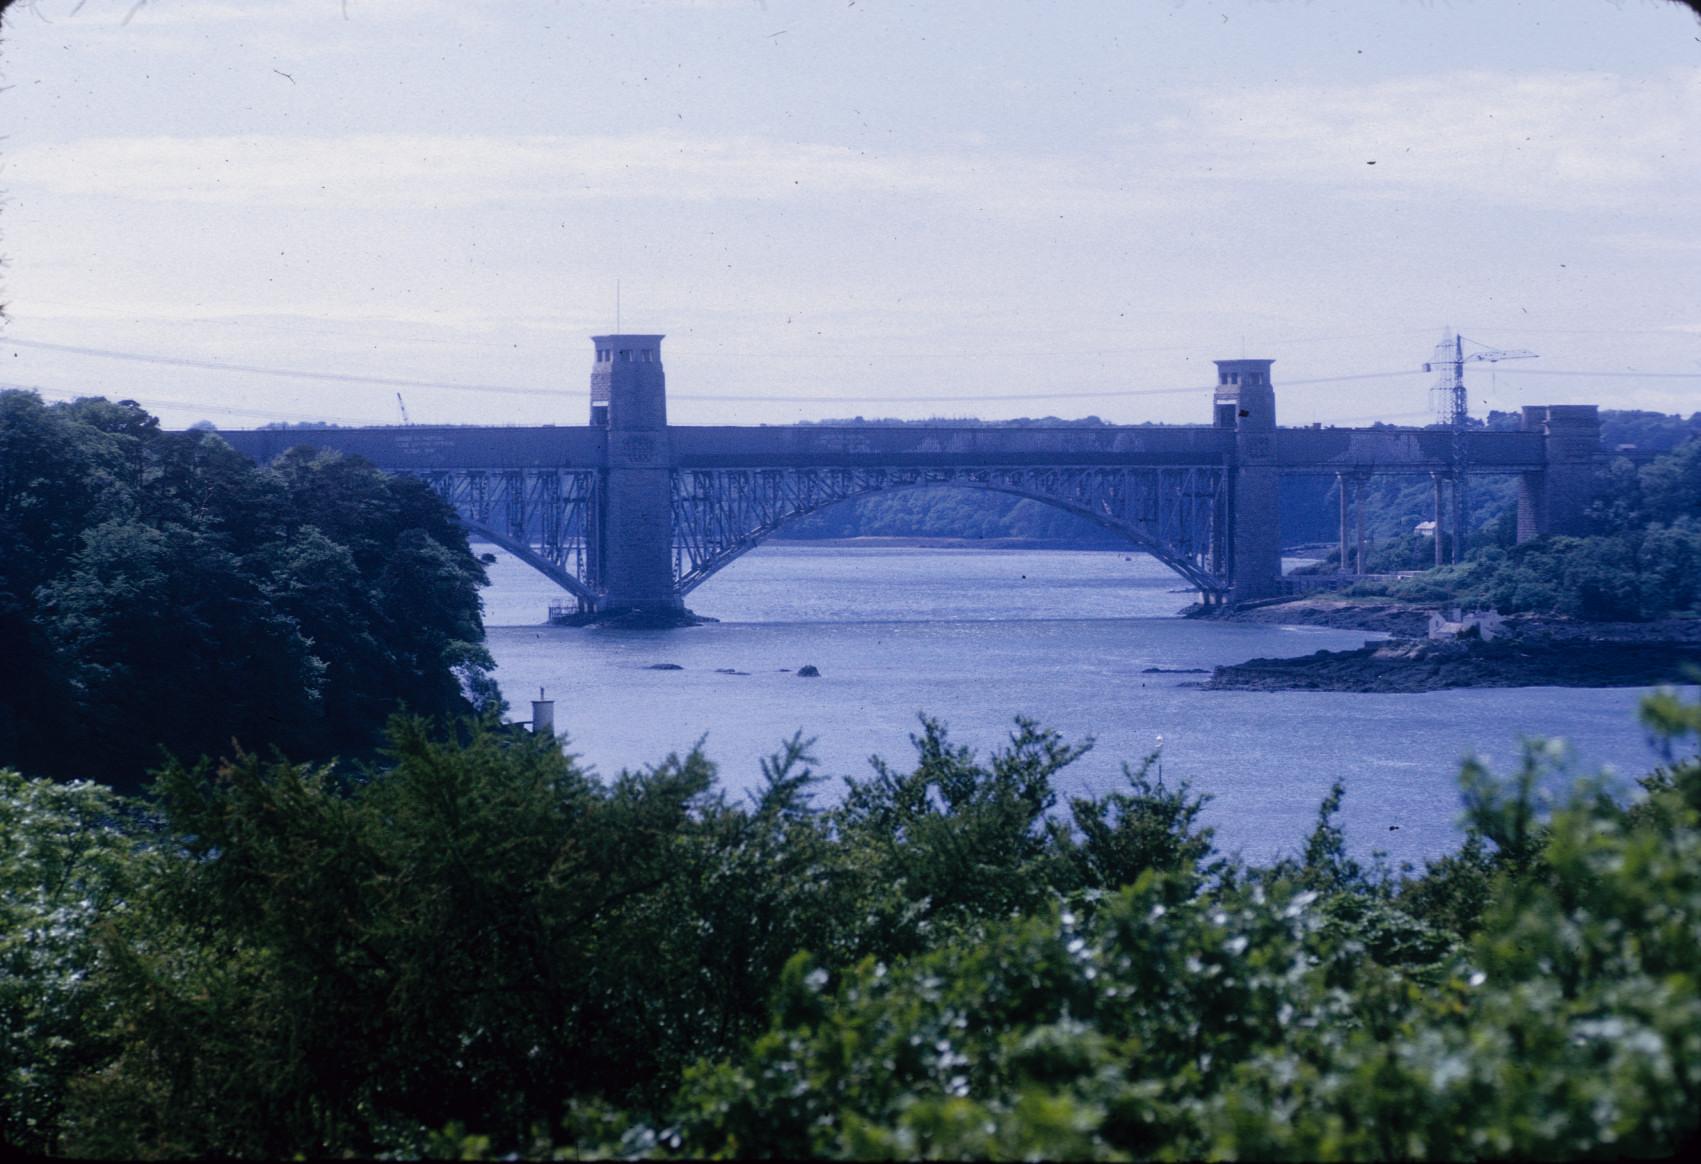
1323 450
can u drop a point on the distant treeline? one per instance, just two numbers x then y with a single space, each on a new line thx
161 591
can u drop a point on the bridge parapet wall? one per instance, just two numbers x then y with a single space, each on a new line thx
421 448
844 447
1336 450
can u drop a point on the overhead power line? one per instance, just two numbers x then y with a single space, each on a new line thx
288 373
556 393
1088 394
737 398
1696 375
154 402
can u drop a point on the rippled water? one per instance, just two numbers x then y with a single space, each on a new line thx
977 637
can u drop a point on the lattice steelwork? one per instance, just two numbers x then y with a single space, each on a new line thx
1176 514
547 517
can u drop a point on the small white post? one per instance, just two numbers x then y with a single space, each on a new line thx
543 715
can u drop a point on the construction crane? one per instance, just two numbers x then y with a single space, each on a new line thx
1452 406
1453 409
402 404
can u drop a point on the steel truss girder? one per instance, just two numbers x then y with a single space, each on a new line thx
1176 514
548 517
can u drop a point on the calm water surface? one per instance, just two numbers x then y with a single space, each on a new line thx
978 637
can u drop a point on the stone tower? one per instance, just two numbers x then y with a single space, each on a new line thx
1556 499
629 399
1245 401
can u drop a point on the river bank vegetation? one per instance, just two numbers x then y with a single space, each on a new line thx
1642 560
159 590
473 947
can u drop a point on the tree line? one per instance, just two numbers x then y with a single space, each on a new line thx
160 591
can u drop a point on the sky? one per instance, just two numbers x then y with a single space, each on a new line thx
277 210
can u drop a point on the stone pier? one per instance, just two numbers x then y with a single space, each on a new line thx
1556 498
1245 401
629 399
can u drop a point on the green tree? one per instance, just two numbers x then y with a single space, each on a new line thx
68 860
1111 841
1671 485
953 841
161 591
476 933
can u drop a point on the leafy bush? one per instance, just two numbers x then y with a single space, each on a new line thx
476 949
1243 1022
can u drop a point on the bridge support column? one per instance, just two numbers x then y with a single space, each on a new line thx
1246 400
629 397
1440 522
1555 500
1358 520
1341 488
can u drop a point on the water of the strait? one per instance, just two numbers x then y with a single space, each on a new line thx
978 637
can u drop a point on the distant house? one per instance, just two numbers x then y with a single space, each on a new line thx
1485 624
1424 529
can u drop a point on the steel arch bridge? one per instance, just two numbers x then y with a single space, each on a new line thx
545 517
548 518
631 513
1176 515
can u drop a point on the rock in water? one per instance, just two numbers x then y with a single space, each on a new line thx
808 671
664 667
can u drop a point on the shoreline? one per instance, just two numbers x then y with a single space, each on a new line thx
1398 619
1529 651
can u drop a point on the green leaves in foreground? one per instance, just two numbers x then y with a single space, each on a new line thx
66 861
481 950
1247 1023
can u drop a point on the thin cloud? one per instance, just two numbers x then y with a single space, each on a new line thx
1554 140
402 171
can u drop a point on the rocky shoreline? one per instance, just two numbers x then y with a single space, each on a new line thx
1419 665
1529 651
1401 620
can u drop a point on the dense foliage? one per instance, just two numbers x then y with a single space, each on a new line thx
1643 561
160 590
478 948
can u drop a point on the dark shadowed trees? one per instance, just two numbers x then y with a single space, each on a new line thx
160 592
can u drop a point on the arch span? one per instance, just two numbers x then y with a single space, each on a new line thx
1176 515
546 517
587 598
